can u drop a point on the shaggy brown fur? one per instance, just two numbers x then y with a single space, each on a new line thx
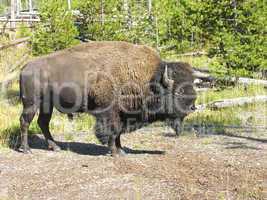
107 73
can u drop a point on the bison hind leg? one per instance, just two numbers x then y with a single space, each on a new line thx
101 136
25 121
102 131
43 122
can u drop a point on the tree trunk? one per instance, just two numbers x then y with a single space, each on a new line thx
127 13
149 7
157 33
102 15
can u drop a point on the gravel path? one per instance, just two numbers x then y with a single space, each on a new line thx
158 166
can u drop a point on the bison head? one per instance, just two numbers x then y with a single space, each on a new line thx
178 80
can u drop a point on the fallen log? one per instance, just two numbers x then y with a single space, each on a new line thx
14 43
206 77
202 69
203 76
250 81
226 103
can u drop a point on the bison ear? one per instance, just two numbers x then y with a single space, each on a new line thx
167 82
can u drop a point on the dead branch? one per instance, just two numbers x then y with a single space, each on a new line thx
14 43
13 72
226 103
20 20
196 53
9 79
250 81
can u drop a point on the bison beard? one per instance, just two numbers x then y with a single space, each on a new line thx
124 86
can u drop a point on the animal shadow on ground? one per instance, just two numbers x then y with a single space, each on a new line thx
36 141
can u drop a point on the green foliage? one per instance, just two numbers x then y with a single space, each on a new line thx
178 24
2 9
113 20
23 31
239 42
56 30
97 26
233 32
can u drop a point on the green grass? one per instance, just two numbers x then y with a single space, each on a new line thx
219 121
249 115
9 127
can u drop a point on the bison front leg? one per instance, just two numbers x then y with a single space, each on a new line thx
177 126
114 145
114 142
108 131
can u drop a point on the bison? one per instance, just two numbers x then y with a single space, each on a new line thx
125 86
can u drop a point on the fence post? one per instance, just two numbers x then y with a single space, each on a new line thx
13 14
30 7
18 6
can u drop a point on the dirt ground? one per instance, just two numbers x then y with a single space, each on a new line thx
158 166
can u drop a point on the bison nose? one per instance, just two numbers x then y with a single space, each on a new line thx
193 107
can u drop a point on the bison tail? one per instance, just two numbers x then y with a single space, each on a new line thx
102 138
20 87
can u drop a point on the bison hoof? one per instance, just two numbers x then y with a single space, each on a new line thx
121 152
178 132
53 146
25 149
118 153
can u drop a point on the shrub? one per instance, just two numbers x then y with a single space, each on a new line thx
111 20
240 44
56 30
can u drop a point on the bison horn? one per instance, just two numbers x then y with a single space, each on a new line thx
166 81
